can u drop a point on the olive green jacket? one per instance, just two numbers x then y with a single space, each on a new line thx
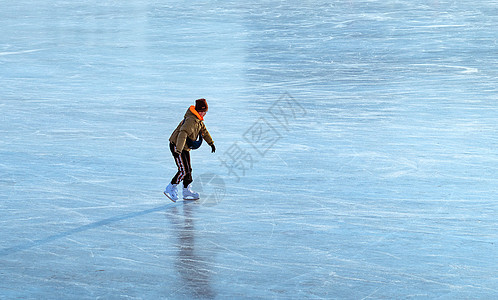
190 127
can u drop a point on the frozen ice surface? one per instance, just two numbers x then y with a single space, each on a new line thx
357 149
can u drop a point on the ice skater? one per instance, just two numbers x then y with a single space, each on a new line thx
188 135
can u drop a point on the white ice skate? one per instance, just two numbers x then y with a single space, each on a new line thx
171 192
188 194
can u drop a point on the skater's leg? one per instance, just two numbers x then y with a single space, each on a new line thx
187 179
171 190
184 174
188 194
179 163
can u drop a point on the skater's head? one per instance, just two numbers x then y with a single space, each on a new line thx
201 106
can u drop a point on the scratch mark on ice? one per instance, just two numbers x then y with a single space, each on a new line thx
19 52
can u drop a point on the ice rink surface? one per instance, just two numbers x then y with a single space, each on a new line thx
356 149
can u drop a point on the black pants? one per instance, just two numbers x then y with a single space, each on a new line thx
184 167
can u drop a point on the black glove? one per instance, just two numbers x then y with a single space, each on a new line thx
213 148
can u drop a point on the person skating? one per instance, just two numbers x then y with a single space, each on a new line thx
188 135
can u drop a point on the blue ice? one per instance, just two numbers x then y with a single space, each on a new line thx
356 149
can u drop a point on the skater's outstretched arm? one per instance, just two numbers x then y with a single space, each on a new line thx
207 137
205 134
